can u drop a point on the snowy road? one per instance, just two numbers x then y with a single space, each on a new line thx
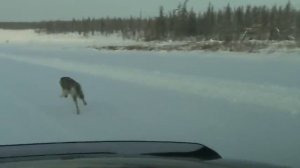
245 106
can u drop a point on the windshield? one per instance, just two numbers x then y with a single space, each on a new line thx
220 73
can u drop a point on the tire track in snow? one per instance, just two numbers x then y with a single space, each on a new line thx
271 96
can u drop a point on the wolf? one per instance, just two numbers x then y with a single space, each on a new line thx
72 87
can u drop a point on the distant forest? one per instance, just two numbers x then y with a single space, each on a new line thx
227 24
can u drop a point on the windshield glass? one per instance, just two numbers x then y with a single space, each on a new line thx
220 73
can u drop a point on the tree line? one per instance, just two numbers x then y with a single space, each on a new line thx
227 24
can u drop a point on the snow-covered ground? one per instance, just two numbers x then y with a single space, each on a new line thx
243 105
30 37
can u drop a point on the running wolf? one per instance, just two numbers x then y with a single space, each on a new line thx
72 87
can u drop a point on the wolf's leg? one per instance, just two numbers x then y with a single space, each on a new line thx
84 102
64 93
75 95
76 104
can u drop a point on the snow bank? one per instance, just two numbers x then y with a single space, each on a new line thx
116 42
31 37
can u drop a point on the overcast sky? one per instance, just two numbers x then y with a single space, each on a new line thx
37 10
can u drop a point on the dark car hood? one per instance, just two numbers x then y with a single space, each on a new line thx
119 153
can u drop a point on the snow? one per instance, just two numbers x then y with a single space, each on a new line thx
244 105
64 39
